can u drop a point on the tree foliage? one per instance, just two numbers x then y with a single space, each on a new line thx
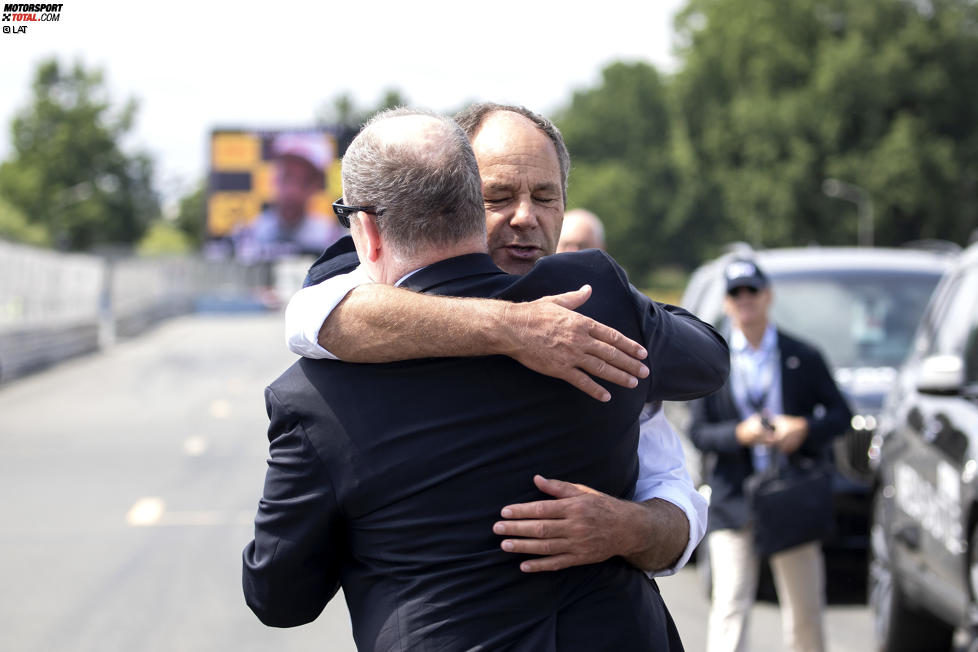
618 137
772 98
191 216
69 174
346 116
15 226
769 100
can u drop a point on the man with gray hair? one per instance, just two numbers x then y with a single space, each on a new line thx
386 479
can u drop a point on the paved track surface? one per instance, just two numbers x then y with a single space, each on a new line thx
130 479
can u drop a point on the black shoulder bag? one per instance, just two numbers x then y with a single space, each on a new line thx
791 503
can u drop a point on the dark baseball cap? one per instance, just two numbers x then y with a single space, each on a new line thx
744 273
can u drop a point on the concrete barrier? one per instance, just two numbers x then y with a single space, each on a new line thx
54 305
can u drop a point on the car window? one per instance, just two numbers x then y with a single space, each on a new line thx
956 332
859 318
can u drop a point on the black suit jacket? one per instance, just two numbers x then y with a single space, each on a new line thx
386 479
807 389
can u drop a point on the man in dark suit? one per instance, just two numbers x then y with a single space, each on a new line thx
524 165
780 399
386 479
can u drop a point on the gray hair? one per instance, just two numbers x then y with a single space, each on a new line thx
429 186
471 119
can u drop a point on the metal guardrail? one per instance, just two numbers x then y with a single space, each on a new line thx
54 306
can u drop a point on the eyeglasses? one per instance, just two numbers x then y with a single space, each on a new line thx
343 212
736 292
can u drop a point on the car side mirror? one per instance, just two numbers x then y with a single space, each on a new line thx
941 374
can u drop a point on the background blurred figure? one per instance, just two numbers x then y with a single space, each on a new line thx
780 400
289 227
582 230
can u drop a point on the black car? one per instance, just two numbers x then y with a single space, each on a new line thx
860 307
923 571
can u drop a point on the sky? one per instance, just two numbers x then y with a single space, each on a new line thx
196 66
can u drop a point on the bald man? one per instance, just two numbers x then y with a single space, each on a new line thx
582 229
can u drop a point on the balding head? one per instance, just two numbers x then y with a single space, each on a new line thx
472 118
582 229
419 168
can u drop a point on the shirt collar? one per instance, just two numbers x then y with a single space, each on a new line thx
769 341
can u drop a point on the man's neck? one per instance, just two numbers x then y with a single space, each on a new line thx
396 267
754 333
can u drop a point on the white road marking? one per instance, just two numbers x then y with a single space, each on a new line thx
195 446
220 409
146 511
151 512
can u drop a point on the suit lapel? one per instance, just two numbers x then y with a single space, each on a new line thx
790 373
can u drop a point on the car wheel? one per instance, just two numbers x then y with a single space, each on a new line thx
897 626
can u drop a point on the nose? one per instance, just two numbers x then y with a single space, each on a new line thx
524 217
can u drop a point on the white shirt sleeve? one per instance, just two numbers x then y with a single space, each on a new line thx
662 474
309 307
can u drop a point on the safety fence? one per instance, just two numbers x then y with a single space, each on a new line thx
55 305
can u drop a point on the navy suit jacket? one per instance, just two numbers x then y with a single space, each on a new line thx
385 479
807 390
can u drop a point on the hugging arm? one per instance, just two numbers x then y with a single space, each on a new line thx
381 323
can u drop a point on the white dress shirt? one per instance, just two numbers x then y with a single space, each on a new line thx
755 378
661 462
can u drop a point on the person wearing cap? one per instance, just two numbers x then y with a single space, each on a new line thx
779 399
289 227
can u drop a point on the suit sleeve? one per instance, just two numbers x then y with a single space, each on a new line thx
291 568
710 431
825 424
339 258
687 358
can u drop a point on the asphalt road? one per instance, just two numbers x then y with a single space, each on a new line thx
130 479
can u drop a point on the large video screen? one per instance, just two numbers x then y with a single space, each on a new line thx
270 191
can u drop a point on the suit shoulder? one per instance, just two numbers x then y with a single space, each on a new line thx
588 263
339 258
295 389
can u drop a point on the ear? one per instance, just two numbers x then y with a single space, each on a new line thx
371 236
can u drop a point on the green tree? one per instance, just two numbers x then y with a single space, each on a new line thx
69 173
344 114
772 98
191 216
14 226
163 237
618 135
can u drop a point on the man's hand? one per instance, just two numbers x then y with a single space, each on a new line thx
584 526
789 432
547 336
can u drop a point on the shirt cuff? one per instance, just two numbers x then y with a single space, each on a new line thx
694 505
310 307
